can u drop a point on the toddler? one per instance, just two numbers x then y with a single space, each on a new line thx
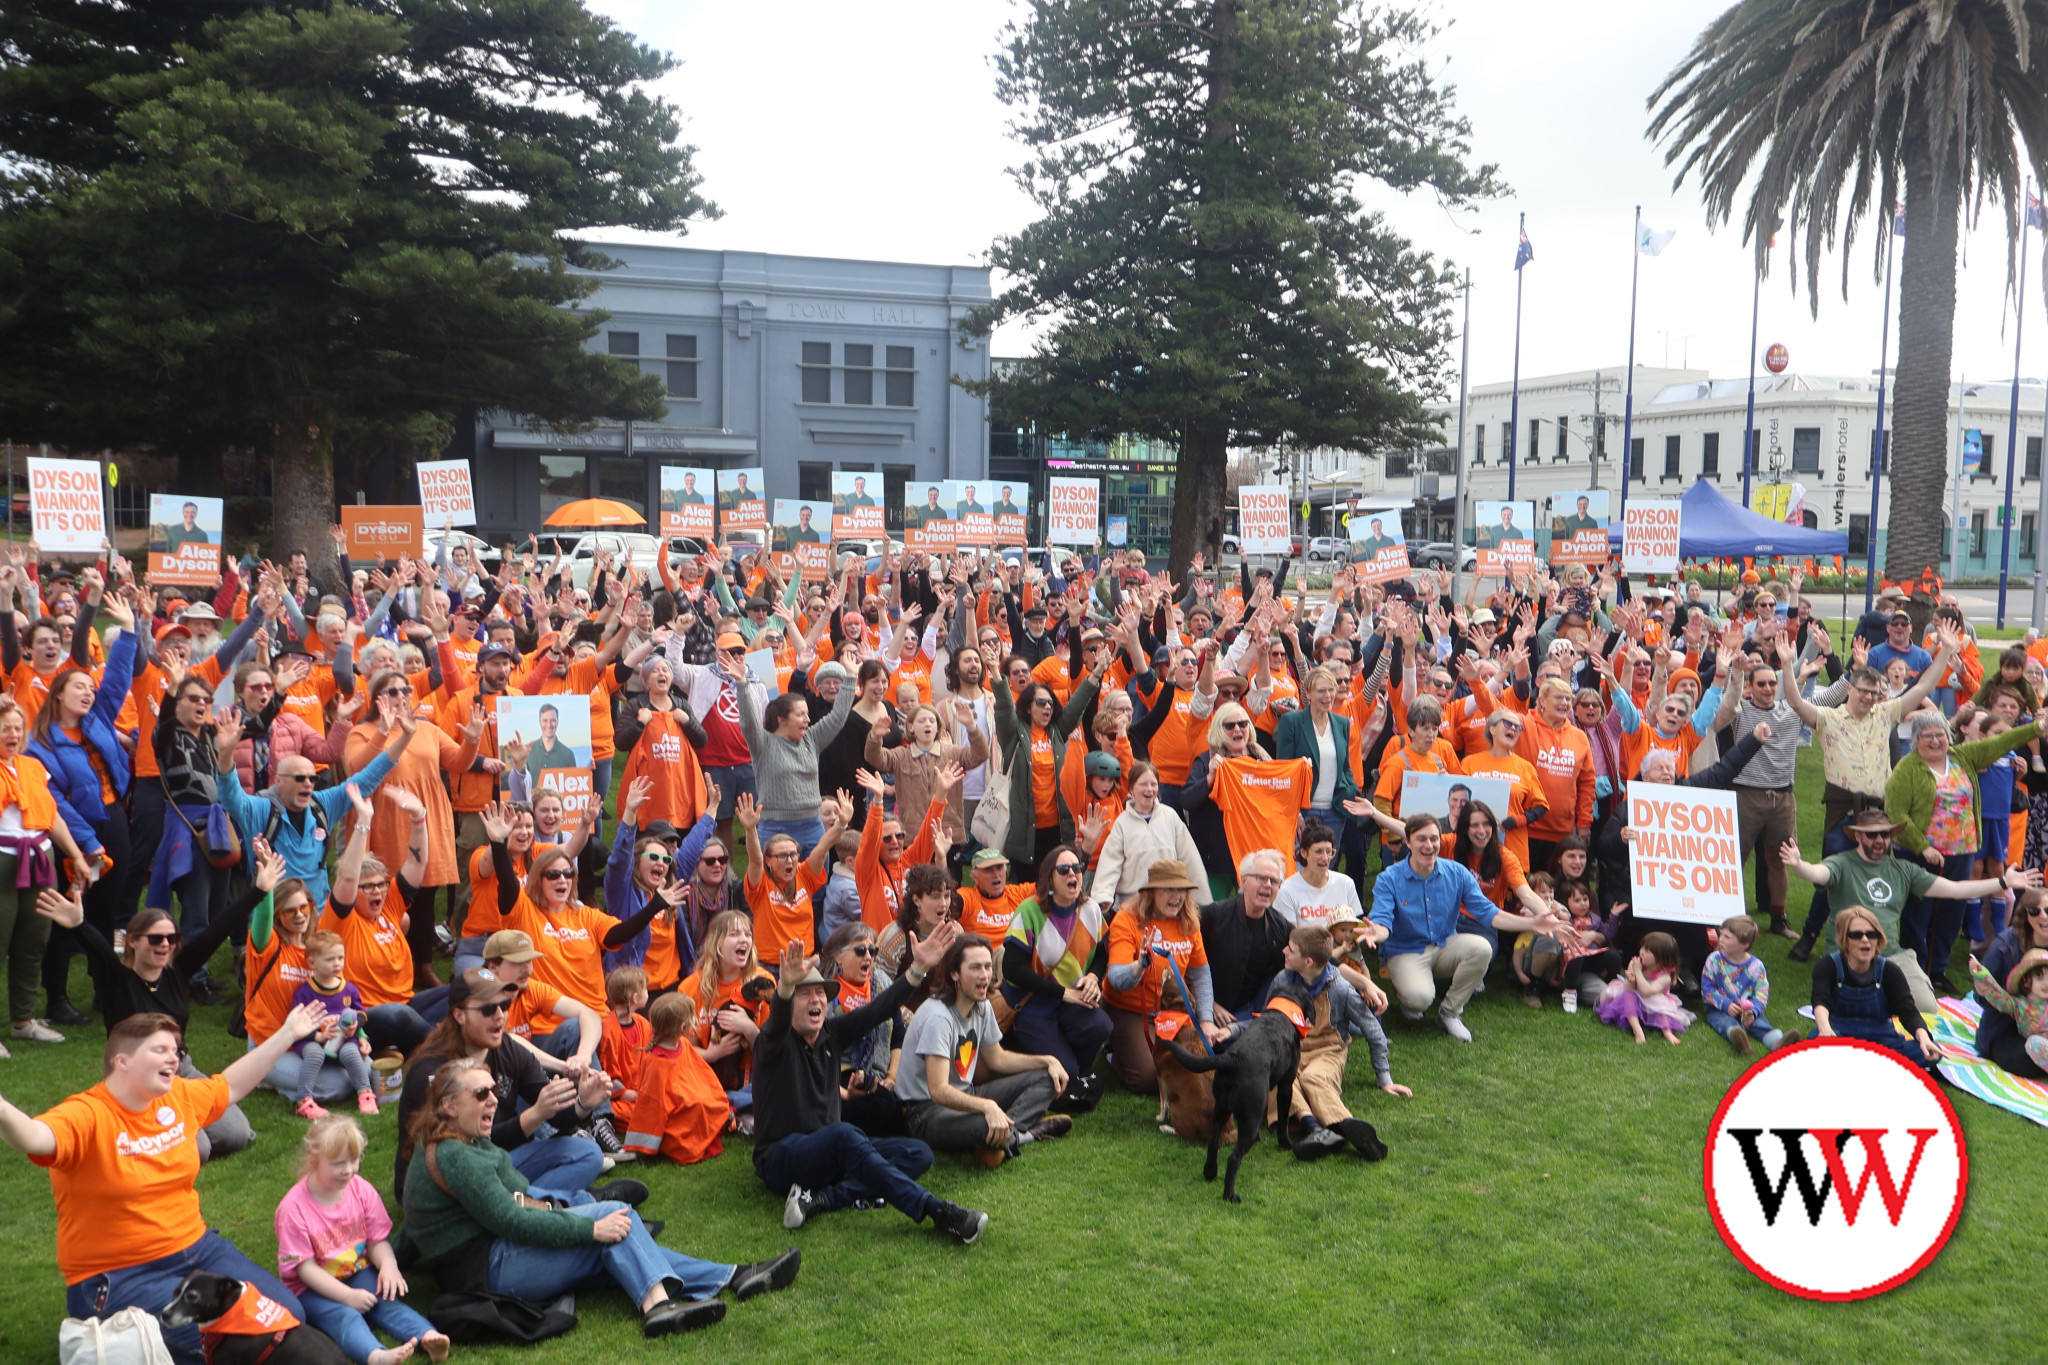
341 1037
334 1252
1736 989
681 1108
1647 992
2024 996
625 1040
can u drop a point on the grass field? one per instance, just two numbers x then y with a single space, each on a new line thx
1541 1202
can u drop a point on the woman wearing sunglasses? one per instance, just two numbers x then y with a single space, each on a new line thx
1031 736
1997 1037
1230 736
641 868
867 1065
1860 993
1053 963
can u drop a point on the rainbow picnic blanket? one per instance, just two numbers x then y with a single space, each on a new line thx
1954 1029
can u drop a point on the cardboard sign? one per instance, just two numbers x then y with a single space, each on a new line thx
686 502
1073 511
446 496
1686 859
928 517
1010 514
742 505
1507 536
797 540
1379 547
1578 526
1649 538
973 520
1262 525
761 668
856 506
184 539
576 786
378 533
67 510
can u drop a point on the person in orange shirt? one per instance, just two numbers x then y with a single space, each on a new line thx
572 936
1189 692
1160 921
483 919
663 753
990 899
1096 789
372 922
780 883
1421 751
1525 786
730 989
123 1159
682 1108
1562 755
886 854
471 790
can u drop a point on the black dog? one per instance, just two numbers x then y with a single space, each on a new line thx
1265 1056
202 1300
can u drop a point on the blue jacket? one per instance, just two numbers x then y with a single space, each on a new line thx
301 839
72 779
1295 737
1422 912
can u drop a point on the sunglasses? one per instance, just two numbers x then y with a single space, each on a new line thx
1237 725
160 940
558 874
2037 912
655 855
862 950
1046 702
259 687
397 690
501 1007
1066 869
718 860
483 1092
1862 935
295 777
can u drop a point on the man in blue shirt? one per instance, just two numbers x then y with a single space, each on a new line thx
1415 905
1898 644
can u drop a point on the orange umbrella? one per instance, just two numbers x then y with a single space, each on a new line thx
595 512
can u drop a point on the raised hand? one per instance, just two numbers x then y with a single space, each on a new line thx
270 866
403 799
497 822
746 811
872 783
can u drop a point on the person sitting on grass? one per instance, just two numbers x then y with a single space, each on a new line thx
340 1038
729 989
129 1229
681 1110
1647 992
626 1035
1337 1014
1736 990
2024 997
1860 993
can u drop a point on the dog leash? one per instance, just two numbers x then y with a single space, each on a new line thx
1188 996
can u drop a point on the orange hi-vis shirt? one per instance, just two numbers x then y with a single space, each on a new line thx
881 885
1399 761
1525 789
782 917
1078 790
140 711
1130 935
126 1180
379 959
1261 803
1179 737
666 758
471 791
1563 757
991 917
571 943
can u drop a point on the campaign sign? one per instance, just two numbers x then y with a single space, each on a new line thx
1262 526
799 545
856 506
1010 510
975 521
686 501
1685 856
65 506
184 539
1649 540
742 506
1073 512
545 743
1578 526
1379 547
380 533
447 497
928 517
1444 795
1507 536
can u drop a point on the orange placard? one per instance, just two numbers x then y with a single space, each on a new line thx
377 533
576 786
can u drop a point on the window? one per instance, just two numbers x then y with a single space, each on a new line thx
623 343
622 479
1876 454
1710 455
814 482
2025 549
1635 459
2033 467
1989 468
899 385
1507 443
1806 450
1671 457
1859 534
860 375
1976 535
682 366
1479 443
1535 439
563 479
1564 428
1756 449
817 378
893 477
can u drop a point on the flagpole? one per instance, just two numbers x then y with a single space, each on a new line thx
1880 447
1628 401
1515 392
1756 293
1458 463
2012 430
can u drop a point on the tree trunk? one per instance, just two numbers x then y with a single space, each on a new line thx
1919 458
1198 495
302 486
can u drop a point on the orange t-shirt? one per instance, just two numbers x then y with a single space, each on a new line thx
1525 789
1501 890
308 699
272 1000
1440 759
1076 787
483 917
991 918
140 711
571 943
881 884
1636 747
1179 737
1045 805
781 917
379 959
664 757
30 687
533 1011
586 679
126 1180
1129 935
1261 803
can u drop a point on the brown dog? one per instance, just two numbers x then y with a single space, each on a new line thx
1187 1099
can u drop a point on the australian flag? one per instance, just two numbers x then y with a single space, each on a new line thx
2035 217
1898 220
1523 253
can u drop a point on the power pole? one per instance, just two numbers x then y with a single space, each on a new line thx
1599 430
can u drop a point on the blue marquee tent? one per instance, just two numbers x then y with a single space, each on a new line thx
1712 527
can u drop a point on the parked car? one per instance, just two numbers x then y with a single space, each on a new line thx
645 552
1441 554
480 550
1335 549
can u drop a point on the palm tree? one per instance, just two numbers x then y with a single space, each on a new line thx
1869 101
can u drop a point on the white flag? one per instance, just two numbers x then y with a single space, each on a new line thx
1651 242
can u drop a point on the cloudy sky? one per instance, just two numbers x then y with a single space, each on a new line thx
873 131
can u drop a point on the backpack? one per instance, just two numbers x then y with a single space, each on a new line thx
991 823
129 1337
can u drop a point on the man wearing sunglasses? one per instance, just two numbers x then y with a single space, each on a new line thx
1874 877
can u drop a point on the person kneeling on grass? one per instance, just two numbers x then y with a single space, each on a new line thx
950 1035
479 1230
1337 1015
1736 990
802 1149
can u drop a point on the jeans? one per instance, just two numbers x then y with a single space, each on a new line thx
805 832
561 1044
469 955
731 782
635 1265
1929 926
839 1164
285 1076
1024 1096
351 1329
395 1026
432 1004
559 1166
1760 1028
1072 1033
149 1286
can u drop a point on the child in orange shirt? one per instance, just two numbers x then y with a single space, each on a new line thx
682 1108
626 1036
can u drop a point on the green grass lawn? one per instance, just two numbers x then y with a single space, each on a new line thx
1541 1202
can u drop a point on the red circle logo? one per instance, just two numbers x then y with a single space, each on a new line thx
1836 1169
1777 358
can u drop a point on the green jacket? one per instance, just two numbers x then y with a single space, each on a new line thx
478 1203
1909 795
1022 839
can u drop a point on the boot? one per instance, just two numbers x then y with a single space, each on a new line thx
1780 928
1802 951
1362 1136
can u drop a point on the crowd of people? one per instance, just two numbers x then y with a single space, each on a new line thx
912 860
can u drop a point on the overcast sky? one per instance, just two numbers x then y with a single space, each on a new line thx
873 131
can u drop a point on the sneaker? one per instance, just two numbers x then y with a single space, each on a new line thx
868 1205
1412 1016
366 1102
1050 1127
308 1110
600 1131
1570 998
1738 1038
1802 951
4 1053
797 1209
64 1012
964 1225
765 1277
36 1031
1532 997
606 1164
1318 1144
631 1192
1455 1026
670 1316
